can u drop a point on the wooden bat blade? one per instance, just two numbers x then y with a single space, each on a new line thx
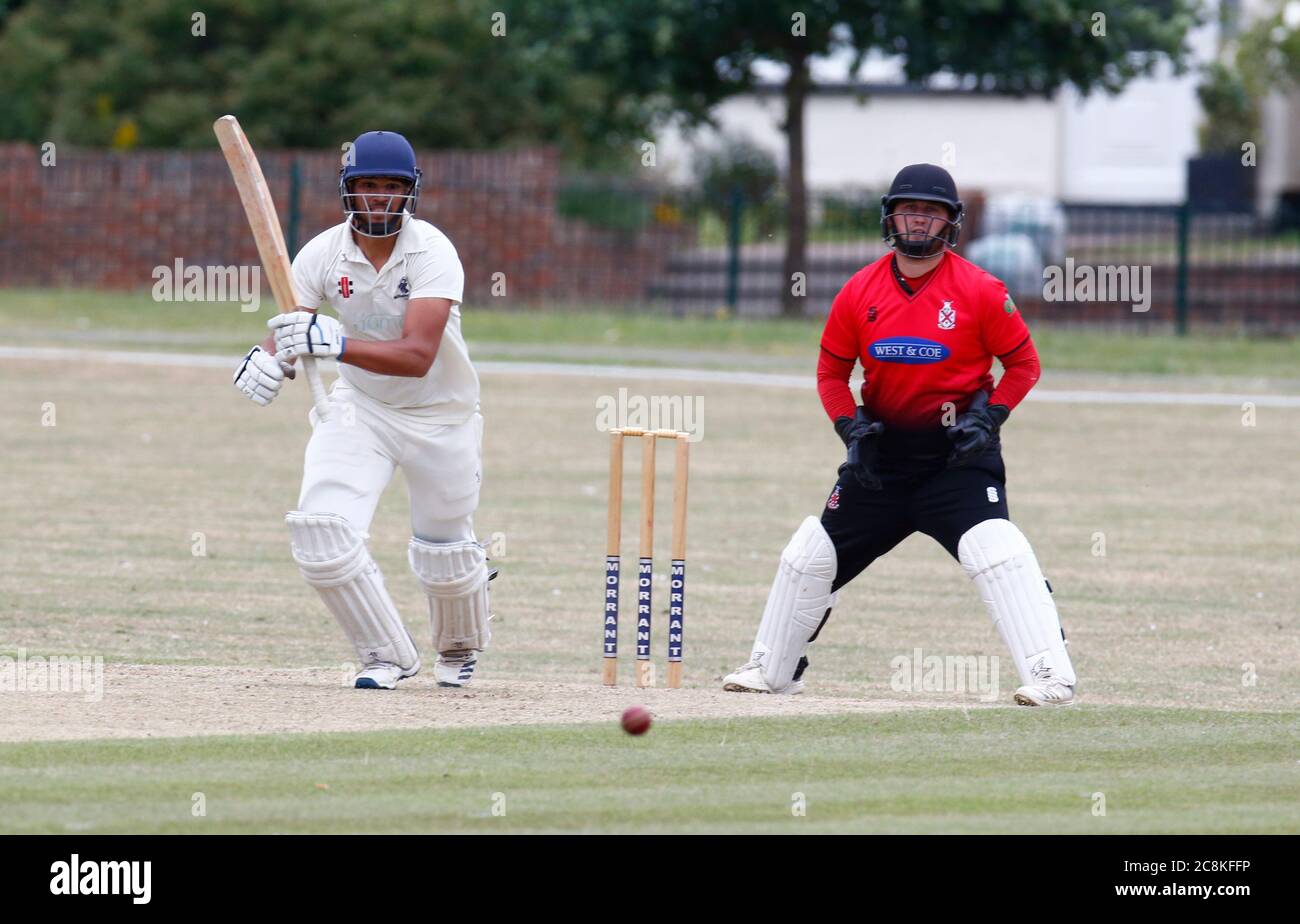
259 207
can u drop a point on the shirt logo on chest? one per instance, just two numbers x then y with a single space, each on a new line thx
912 351
345 287
403 289
947 316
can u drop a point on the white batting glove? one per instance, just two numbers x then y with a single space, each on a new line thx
259 375
305 333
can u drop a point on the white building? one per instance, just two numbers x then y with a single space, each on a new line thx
1131 147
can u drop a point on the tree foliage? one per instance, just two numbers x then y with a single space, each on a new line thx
593 76
1230 101
735 166
308 73
1268 53
685 56
1263 57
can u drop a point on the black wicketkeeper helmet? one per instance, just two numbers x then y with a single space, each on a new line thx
928 183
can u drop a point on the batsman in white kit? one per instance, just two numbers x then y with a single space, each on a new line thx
407 396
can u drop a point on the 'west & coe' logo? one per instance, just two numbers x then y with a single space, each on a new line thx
911 350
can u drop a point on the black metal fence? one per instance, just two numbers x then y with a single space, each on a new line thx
103 220
1141 266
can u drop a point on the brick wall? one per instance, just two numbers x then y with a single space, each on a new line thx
105 220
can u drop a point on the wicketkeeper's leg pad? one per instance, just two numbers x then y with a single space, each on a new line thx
454 575
333 558
797 605
998 558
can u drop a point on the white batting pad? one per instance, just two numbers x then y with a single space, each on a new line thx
796 605
455 577
333 558
998 558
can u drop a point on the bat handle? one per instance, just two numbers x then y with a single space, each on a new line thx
318 396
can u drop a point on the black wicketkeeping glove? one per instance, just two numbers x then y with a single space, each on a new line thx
975 429
861 435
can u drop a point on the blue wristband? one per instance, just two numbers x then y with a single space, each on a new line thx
343 345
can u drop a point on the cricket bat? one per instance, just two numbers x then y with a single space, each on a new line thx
260 209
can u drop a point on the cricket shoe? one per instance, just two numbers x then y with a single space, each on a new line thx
455 668
1046 690
750 679
383 676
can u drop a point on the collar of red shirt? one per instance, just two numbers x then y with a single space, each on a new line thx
913 285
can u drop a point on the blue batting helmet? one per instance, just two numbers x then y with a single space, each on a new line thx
379 154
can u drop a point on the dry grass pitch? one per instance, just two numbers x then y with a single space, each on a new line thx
145 526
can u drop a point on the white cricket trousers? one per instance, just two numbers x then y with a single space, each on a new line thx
352 456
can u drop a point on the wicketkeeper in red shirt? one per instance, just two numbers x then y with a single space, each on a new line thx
923 447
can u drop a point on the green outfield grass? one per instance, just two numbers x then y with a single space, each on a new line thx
1167 532
135 320
1003 771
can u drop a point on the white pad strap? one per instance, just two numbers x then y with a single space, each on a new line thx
333 558
998 558
797 604
455 577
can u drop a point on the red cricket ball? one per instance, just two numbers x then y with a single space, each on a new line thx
636 720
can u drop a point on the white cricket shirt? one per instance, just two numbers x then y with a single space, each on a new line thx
371 305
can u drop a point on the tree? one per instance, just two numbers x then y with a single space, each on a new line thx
683 57
1263 58
1268 52
737 166
1230 101
298 73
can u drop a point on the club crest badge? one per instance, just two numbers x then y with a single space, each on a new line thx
833 502
947 316
403 289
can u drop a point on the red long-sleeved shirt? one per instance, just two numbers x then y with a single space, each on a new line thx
923 350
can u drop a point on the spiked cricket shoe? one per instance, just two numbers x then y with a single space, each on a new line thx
1046 690
750 679
383 676
455 668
